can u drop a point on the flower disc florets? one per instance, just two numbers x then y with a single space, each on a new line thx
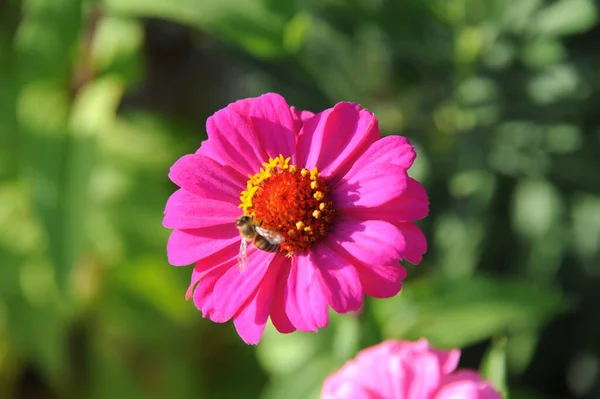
294 202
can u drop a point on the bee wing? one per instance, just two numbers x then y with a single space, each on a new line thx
272 236
243 255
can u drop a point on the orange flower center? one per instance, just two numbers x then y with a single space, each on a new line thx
295 203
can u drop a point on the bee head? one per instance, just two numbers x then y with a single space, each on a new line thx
242 220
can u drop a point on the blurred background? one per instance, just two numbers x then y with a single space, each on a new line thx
99 98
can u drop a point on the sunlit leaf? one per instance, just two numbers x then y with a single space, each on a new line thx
281 355
116 38
566 17
537 207
95 108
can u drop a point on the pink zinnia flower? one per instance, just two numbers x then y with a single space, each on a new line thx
336 193
406 370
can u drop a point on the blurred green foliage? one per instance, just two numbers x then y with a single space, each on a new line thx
99 98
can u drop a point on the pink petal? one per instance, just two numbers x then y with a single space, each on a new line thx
185 210
305 304
406 370
274 124
207 149
426 375
370 187
383 367
412 205
381 281
207 178
250 322
369 241
466 384
339 280
448 359
397 380
227 254
278 316
396 150
235 141
416 243
376 372
204 297
335 138
235 287
346 387
188 246
376 247
196 276
300 117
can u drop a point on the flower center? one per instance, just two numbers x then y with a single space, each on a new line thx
295 203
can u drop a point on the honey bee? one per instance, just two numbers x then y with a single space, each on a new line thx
263 239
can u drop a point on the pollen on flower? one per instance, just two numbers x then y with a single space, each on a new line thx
314 174
296 205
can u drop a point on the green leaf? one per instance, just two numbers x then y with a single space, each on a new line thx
95 108
460 313
493 367
521 348
155 283
248 24
540 53
346 341
458 240
111 378
328 56
295 32
37 328
306 383
282 354
116 38
537 206
565 17
42 111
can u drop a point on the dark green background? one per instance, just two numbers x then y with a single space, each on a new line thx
98 99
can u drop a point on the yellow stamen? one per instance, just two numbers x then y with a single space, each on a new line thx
277 195
314 174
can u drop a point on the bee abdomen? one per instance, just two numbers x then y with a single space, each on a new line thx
265 245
